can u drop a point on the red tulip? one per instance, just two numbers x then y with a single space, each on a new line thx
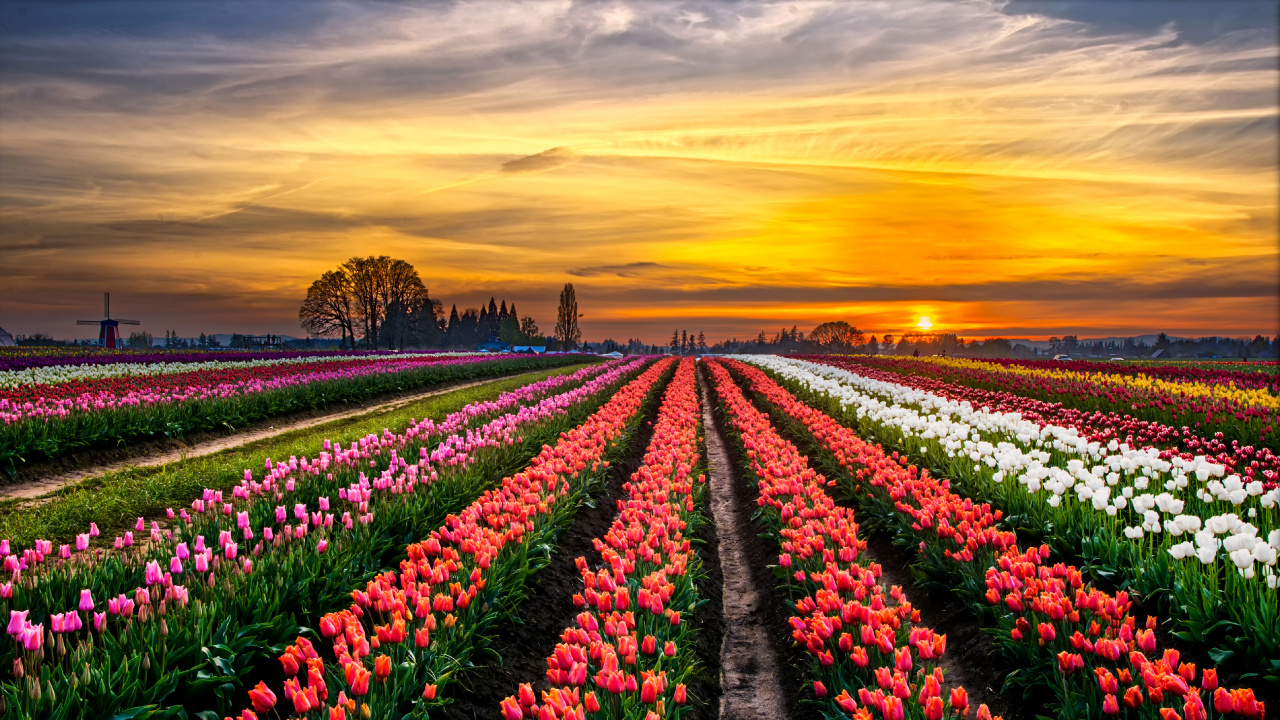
511 709
262 697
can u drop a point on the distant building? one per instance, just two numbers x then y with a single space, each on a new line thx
529 349
614 355
6 340
494 345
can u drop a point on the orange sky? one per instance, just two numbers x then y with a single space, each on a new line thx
1000 169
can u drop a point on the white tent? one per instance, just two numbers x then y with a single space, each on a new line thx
6 340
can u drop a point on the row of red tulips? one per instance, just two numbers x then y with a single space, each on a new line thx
629 653
866 649
1071 638
411 631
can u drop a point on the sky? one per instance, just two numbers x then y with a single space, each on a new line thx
1024 168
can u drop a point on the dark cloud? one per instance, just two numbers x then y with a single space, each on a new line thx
546 160
629 270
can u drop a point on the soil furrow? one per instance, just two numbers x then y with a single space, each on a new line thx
751 674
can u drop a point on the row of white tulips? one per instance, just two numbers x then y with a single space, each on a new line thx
1057 462
56 374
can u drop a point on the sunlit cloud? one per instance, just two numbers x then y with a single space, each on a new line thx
996 166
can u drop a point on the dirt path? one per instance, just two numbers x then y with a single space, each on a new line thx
749 669
31 489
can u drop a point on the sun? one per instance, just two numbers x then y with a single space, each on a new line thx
924 323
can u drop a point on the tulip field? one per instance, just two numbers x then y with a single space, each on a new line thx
62 403
1112 532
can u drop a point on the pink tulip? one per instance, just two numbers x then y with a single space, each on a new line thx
153 572
175 565
93 531
242 519
99 621
86 600
140 525
182 552
17 621
33 637
82 542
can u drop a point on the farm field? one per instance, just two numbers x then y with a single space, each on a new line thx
60 403
663 537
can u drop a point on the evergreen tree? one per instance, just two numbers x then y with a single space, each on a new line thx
702 342
684 341
675 341
482 325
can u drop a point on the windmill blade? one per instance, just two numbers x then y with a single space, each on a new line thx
128 322
88 322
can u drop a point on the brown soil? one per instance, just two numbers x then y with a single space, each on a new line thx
42 478
751 673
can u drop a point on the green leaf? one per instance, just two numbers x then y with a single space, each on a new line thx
134 712
1220 656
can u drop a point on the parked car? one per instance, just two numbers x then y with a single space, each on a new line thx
1119 359
1061 357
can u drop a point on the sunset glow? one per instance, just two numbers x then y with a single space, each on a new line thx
727 168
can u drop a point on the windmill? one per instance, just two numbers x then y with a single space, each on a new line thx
108 336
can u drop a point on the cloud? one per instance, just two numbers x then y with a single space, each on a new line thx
629 270
546 160
745 161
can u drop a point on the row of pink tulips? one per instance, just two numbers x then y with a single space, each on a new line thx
410 631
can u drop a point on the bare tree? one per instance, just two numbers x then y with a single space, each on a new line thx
328 307
568 334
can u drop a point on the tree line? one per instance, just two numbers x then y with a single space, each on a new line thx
380 302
